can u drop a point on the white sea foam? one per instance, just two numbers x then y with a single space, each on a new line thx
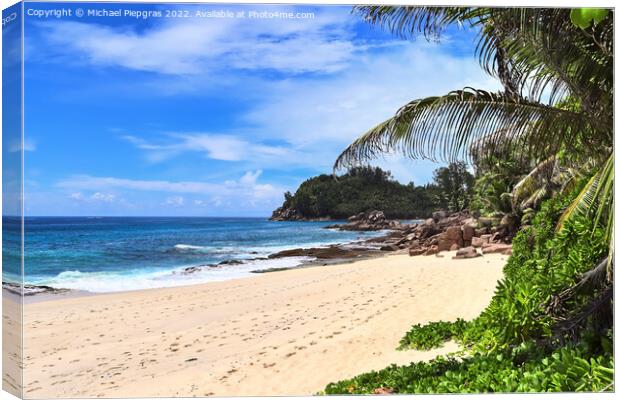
244 253
188 247
100 282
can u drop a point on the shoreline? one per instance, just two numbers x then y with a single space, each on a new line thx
71 293
357 250
289 333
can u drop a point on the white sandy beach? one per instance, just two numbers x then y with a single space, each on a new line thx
11 343
281 333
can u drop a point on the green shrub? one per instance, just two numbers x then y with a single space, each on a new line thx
432 335
542 265
564 370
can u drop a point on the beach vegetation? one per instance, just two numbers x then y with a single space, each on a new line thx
555 109
541 331
524 369
542 150
432 335
359 190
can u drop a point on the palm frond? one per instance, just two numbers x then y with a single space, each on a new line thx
447 127
530 186
536 197
554 175
596 200
409 21
535 52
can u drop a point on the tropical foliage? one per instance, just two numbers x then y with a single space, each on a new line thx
542 149
557 97
565 370
555 112
431 335
523 341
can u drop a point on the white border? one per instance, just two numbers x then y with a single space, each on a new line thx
520 3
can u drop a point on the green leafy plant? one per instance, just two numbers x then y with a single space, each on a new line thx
584 17
432 335
564 370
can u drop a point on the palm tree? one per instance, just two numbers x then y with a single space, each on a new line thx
556 108
557 99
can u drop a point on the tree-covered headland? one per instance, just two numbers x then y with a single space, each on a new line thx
365 188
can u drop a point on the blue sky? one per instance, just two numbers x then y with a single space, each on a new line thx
213 116
11 109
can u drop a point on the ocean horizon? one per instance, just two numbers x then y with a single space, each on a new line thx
109 254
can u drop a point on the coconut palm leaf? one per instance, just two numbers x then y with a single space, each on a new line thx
447 127
531 187
554 175
536 197
595 199
408 21
553 54
535 52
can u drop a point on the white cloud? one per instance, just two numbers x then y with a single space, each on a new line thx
339 109
97 197
214 146
87 182
250 178
176 201
245 190
217 147
197 46
320 118
105 197
315 119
